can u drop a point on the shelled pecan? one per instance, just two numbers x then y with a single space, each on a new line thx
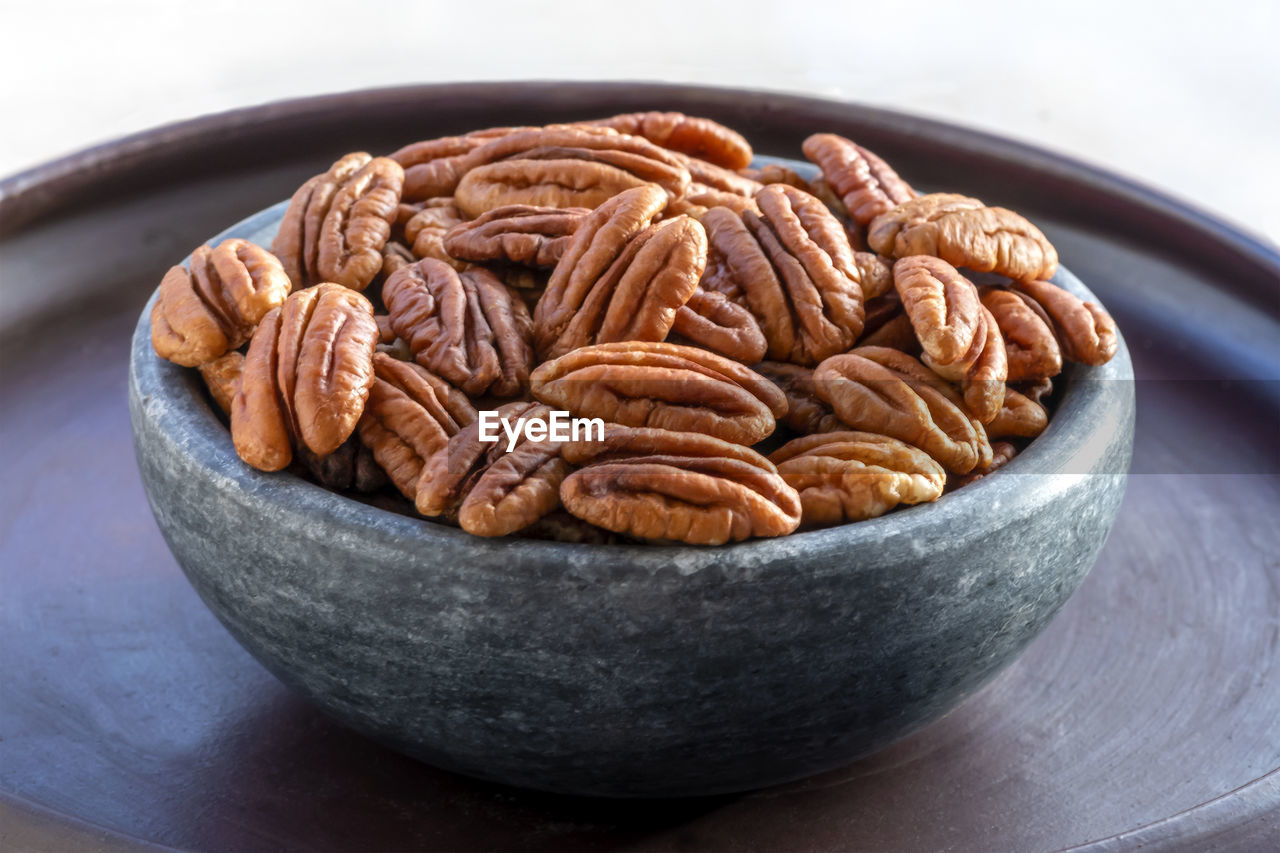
518 234
698 137
1002 453
1085 331
433 167
713 321
222 376
806 411
1019 416
425 231
867 185
1031 349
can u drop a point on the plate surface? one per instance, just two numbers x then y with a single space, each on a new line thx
1146 713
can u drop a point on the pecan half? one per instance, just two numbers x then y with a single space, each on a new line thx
681 486
222 376
776 173
713 321
1085 331
662 385
306 376
411 414
1002 453
426 229
349 468
1019 416
851 476
433 167
203 312
395 256
692 135
885 391
620 278
875 274
519 234
806 411
468 327
338 222
698 199
867 185
965 232
1030 346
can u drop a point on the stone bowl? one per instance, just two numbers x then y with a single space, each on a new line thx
631 671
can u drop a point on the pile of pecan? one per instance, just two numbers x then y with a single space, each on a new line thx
767 353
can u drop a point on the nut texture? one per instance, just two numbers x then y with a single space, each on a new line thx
1085 331
698 137
1030 346
433 167
806 411
681 486
467 327
662 385
519 234
202 313
867 185
966 233
222 377
425 231
1020 416
1002 453
713 321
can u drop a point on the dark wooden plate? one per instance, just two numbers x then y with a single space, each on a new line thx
1147 714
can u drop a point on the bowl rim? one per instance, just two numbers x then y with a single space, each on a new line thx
1043 464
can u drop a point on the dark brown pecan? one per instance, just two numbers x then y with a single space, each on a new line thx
867 185
662 385
1039 390
715 322
1085 331
468 327
338 222
490 490
425 231
1030 346
1020 416
682 486
698 137
433 167
411 414
885 391
1002 453
203 312
349 468
222 376
395 256
519 234
306 376
806 411
965 232
851 476
620 278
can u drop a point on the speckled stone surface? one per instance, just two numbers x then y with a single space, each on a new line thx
631 671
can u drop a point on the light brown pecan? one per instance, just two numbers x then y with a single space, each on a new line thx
867 185
1002 453
411 414
710 177
426 229
875 274
776 173
306 376
1030 346
885 391
698 137
1019 416
792 266
490 490
395 256
433 167
965 232
222 376
468 327
715 322
681 486
338 222
851 476
519 234
213 307
806 411
699 198
1085 331
620 278
662 385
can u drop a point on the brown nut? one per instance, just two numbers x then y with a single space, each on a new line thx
426 229
395 256
467 327
620 278
1030 346
713 321
1002 453
349 468
222 376
966 233
852 476
885 391
411 414
680 486
775 173
1019 416
202 313
699 198
875 274
662 385
519 234
338 222
306 376
867 185
433 167
1085 331
698 137
806 411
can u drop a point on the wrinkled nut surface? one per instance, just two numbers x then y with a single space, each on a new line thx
1019 417
306 376
222 377
851 476
880 390
875 274
698 137
203 312
867 185
518 234
338 222
775 173
713 321
349 468
665 386
1085 331
1031 349
677 486
411 413
426 230
467 327
433 167
806 411
1002 453
966 233
620 278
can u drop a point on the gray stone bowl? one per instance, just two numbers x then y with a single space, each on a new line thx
631 671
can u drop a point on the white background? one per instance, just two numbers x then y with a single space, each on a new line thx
1182 95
